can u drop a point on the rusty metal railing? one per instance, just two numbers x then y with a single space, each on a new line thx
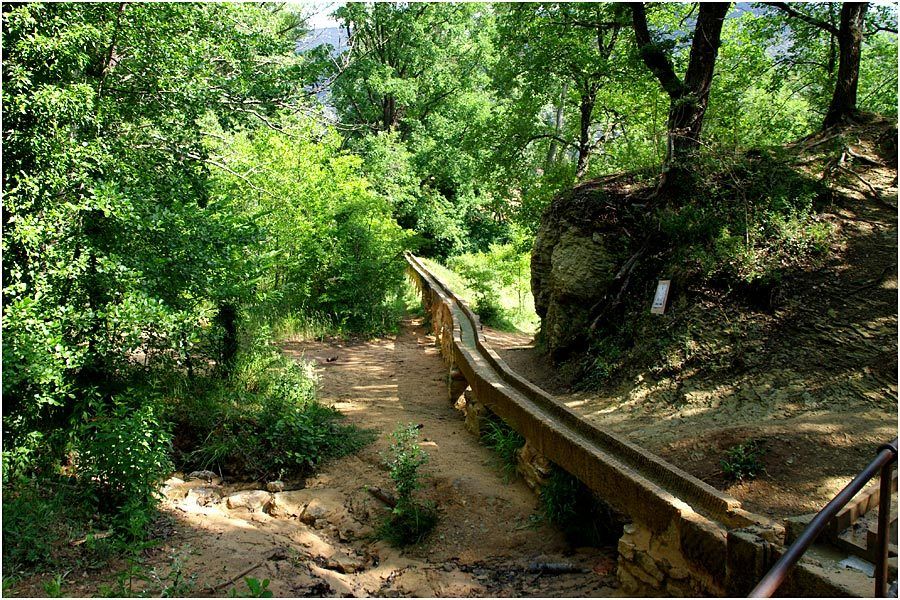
884 462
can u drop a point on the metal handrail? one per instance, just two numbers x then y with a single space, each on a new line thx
884 461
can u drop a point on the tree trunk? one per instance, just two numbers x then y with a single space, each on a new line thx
686 111
558 125
688 99
389 112
850 34
588 98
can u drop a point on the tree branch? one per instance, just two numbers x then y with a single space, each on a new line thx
551 136
655 59
791 11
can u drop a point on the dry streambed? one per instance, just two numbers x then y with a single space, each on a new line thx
318 541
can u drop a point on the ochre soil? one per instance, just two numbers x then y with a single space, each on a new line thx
488 536
814 381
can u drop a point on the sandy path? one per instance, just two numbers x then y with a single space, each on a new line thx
486 539
484 521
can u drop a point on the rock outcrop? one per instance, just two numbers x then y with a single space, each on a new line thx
578 253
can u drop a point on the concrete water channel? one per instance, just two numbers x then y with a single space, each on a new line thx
684 537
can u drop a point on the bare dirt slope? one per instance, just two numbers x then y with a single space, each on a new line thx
319 541
814 381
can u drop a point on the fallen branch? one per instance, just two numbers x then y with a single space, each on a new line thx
384 496
553 568
246 571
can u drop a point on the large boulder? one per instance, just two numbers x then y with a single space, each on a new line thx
579 249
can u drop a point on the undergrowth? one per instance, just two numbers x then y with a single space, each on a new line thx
505 441
99 502
305 324
585 519
411 519
263 422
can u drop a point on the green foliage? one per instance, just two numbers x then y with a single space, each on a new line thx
255 589
51 522
757 223
116 256
159 189
53 588
505 441
480 277
499 281
332 247
601 362
35 516
806 58
743 461
410 520
170 183
123 452
584 518
262 422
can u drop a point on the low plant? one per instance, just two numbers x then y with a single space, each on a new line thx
743 461
410 520
585 519
505 441
255 589
53 588
123 454
263 422
178 583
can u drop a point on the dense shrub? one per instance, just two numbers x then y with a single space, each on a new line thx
262 422
332 246
123 453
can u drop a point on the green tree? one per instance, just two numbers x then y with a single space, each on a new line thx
416 75
833 35
688 97
116 256
563 55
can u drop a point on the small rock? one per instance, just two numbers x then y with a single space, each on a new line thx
253 500
314 510
343 564
275 486
204 496
290 504
207 476
174 489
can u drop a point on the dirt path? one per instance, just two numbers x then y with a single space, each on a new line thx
318 540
